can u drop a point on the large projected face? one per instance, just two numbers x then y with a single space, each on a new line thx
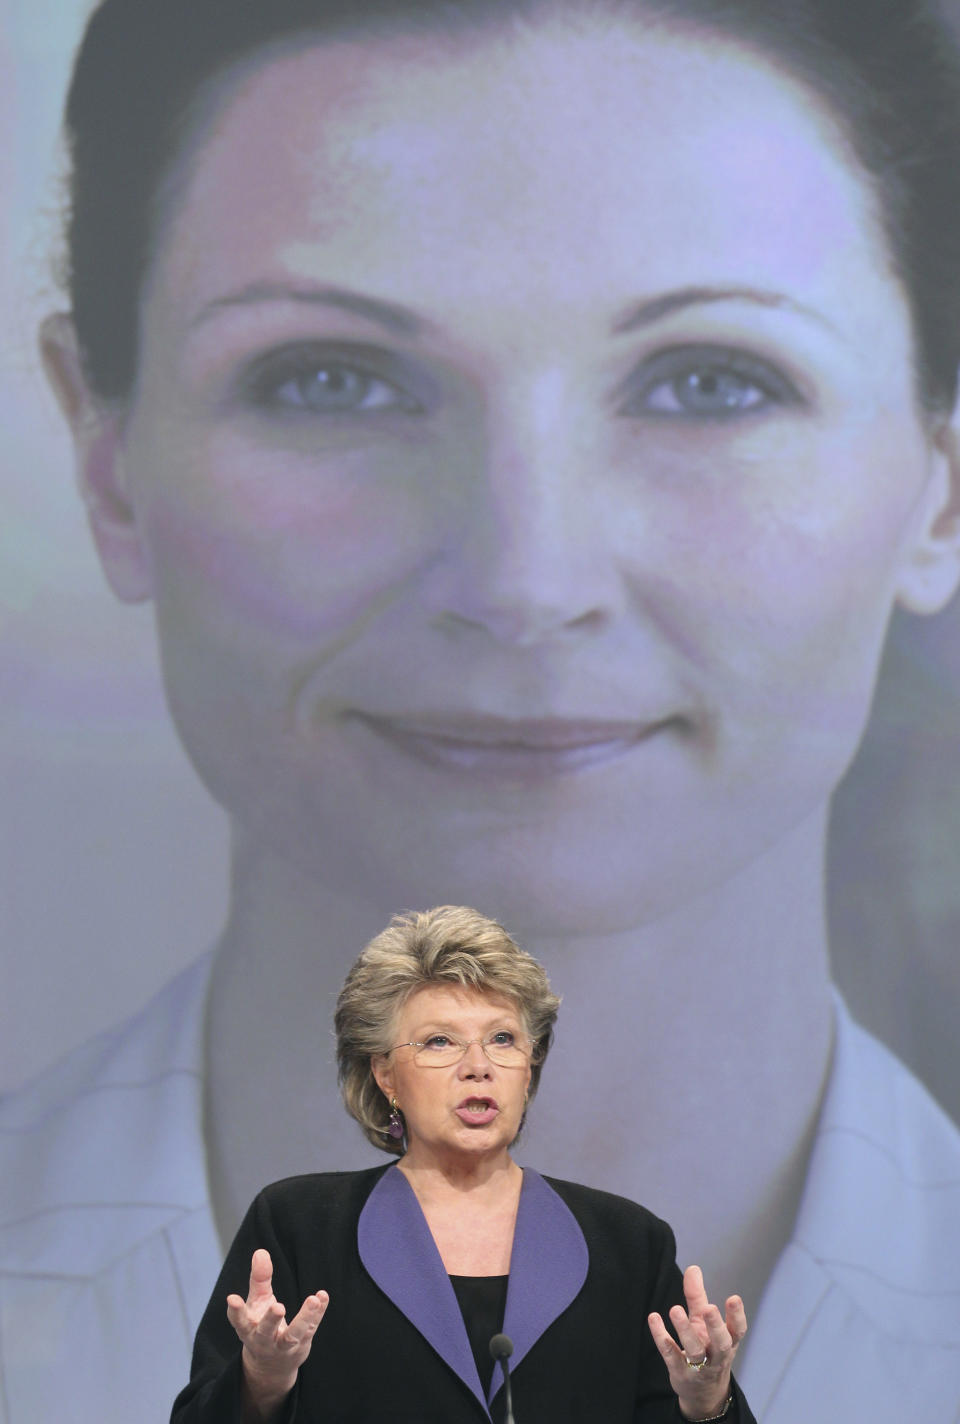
525 459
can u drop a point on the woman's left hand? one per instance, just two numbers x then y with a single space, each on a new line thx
700 1365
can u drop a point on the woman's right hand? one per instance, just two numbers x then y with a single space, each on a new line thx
273 1351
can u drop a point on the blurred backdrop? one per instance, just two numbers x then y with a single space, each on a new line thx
112 857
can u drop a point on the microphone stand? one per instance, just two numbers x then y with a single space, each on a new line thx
501 1348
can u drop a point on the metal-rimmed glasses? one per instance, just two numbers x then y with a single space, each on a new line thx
504 1048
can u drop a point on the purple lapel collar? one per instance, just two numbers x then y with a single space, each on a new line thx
548 1267
400 1254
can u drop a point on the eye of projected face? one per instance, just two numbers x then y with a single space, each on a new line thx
324 383
708 383
685 383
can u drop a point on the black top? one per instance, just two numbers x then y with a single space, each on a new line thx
482 1301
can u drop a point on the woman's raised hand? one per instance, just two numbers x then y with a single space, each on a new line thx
700 1365
273 1350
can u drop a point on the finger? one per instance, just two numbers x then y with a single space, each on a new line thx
661 1335
736 1317
313 1309
239 1316
663 1340
719 1339
270 1325
301 1329
692 1334
261 1276
694 1290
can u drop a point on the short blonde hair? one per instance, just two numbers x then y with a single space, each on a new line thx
447 945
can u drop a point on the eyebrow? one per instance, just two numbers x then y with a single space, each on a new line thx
397 319
654 309
445 1026
507 1020
401 321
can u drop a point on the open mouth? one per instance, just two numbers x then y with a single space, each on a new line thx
477 1111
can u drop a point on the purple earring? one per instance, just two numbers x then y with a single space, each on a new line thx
395 1123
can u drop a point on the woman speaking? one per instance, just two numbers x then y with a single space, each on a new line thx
443 1027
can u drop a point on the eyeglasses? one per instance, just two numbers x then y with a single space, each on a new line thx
441 1050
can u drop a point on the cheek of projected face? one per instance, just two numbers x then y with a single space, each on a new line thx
526 480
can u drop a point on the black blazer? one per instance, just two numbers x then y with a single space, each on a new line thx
586 1269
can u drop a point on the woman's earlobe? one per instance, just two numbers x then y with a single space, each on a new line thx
96 429
931 573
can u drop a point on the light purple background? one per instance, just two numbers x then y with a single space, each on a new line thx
112 857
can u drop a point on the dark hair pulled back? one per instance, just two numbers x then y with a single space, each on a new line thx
888 71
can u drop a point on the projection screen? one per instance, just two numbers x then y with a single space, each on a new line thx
118 876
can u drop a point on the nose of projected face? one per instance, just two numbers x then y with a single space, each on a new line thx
529 555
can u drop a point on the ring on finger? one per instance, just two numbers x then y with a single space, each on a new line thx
696 1365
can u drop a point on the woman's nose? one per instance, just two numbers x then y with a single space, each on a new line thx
531 556
474 1063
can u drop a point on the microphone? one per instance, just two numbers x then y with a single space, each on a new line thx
501 1348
